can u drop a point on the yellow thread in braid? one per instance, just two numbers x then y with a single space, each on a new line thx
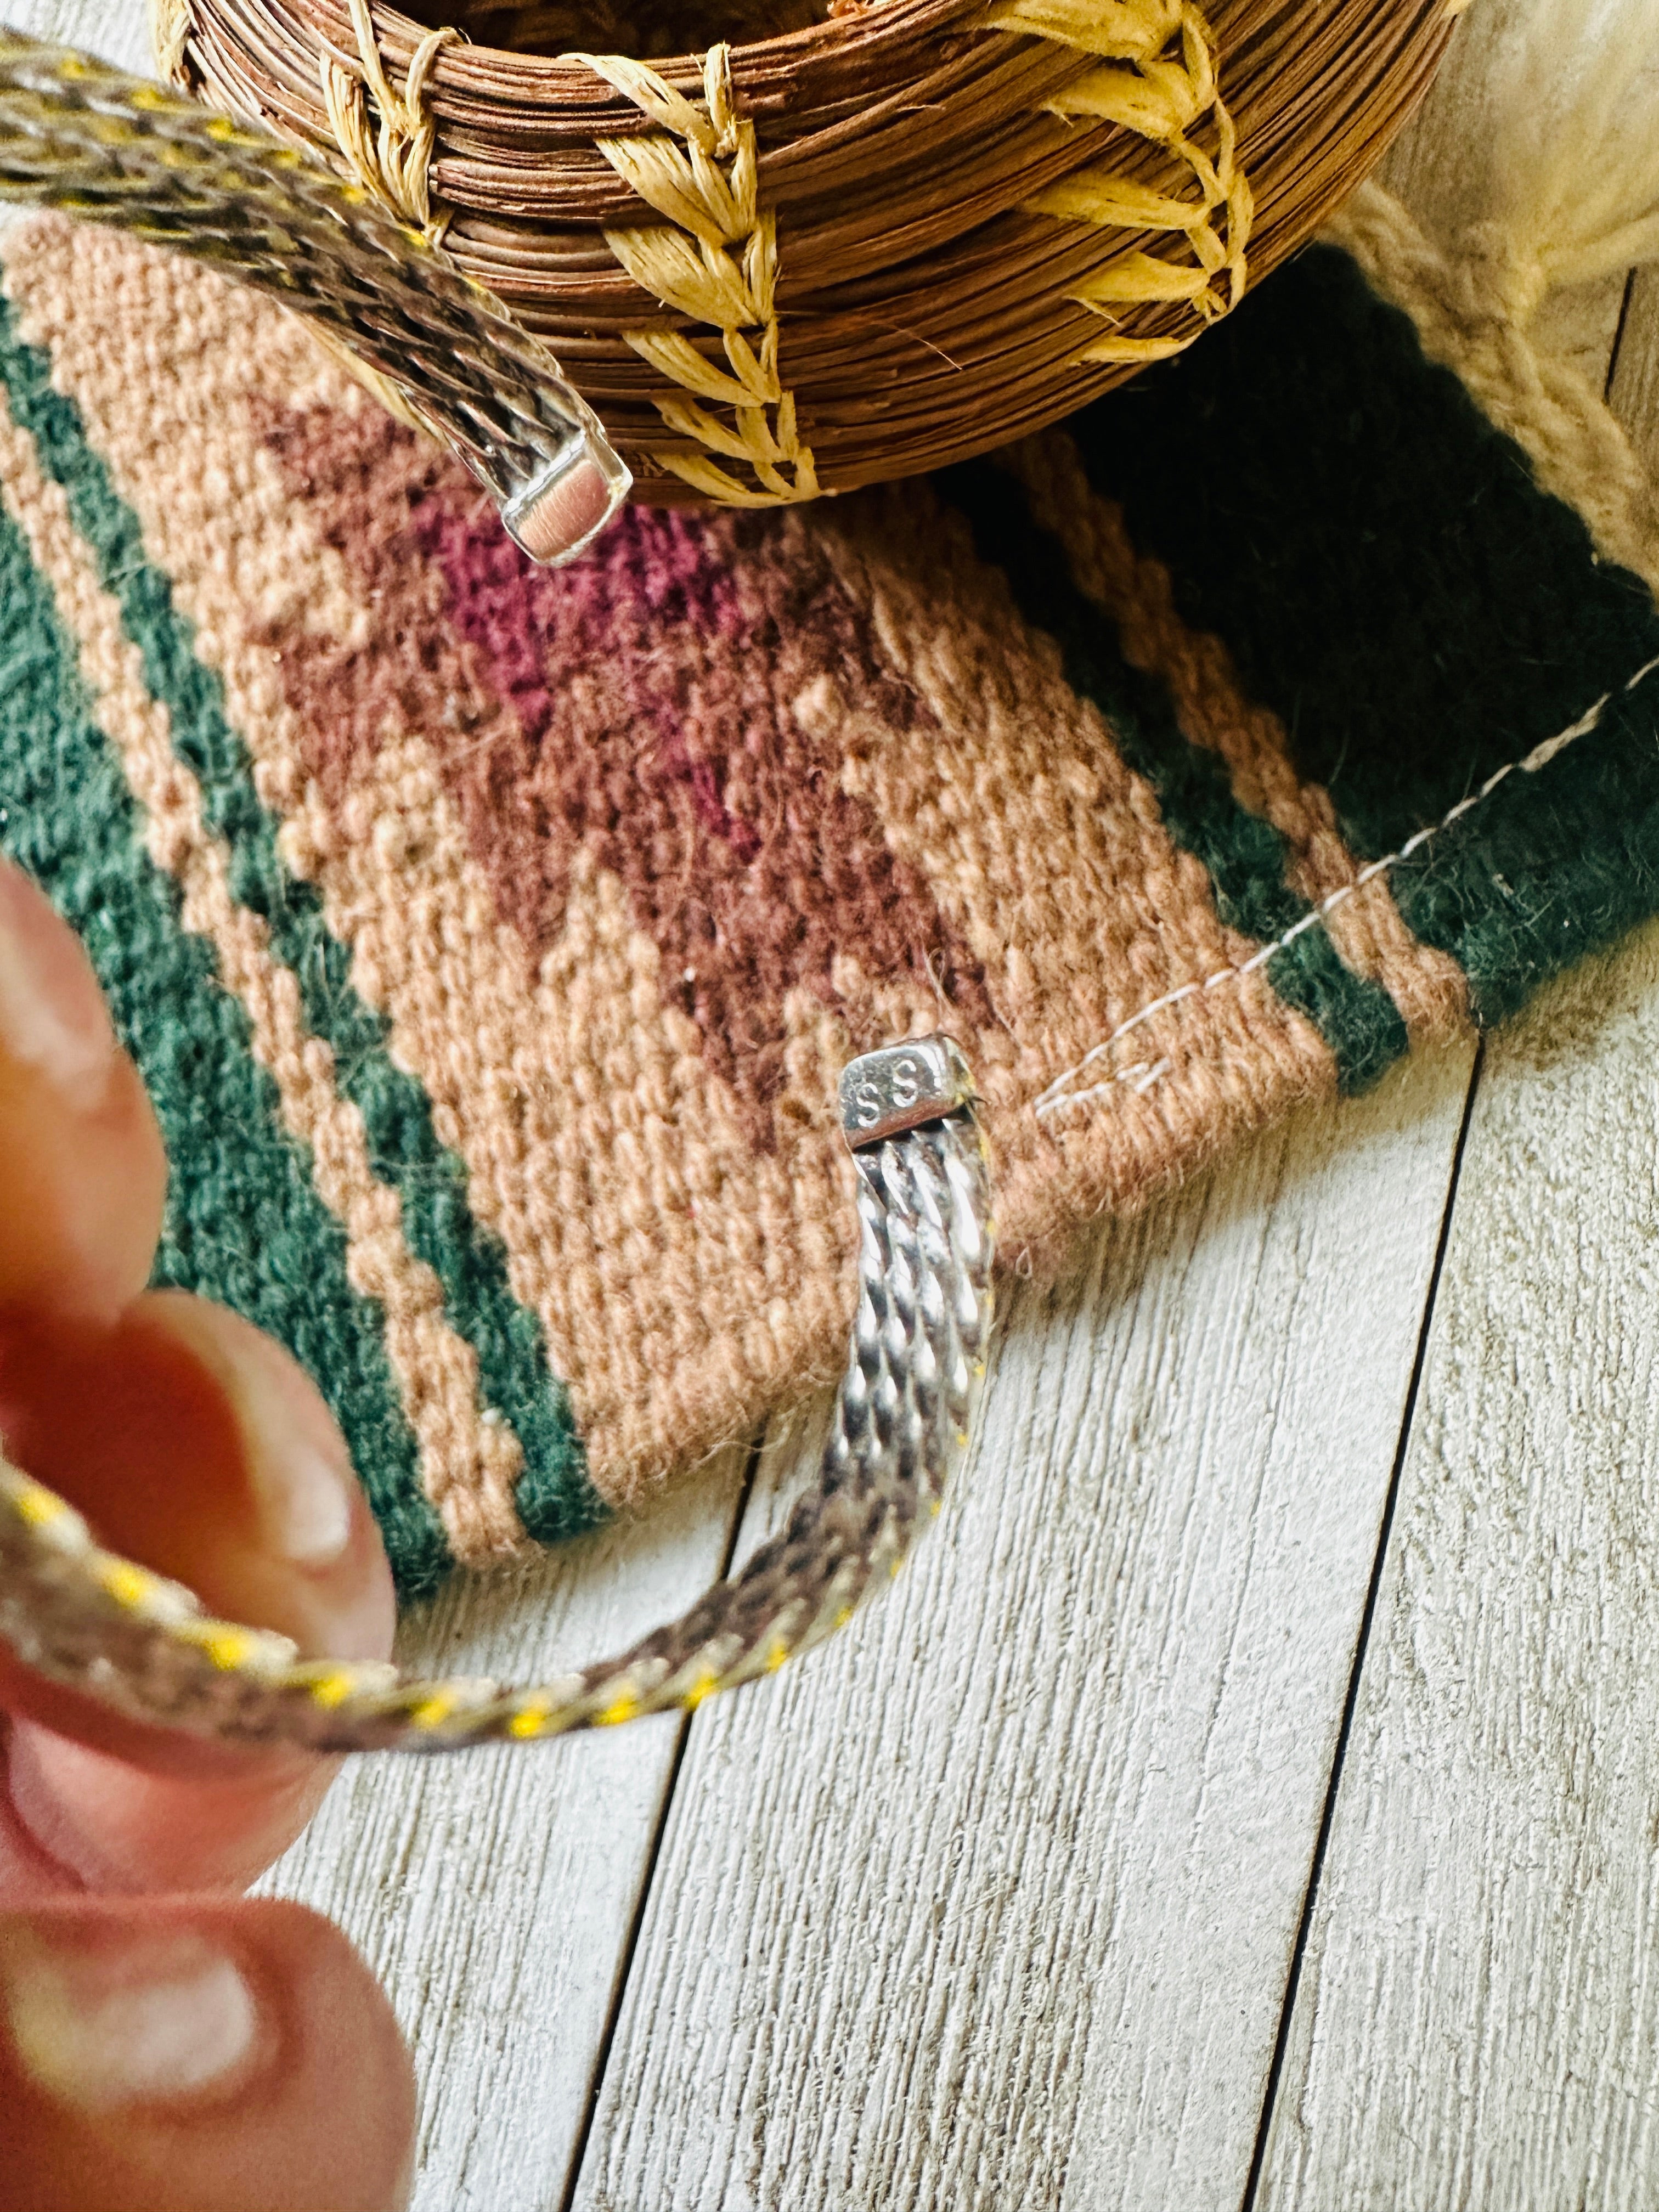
717 266
333 1689
132 1587
227 1648
37 1507
1156 77
80 1615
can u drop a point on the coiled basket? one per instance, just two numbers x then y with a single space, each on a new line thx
847 248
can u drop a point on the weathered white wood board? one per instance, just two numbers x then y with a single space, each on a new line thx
118 30
1475 2022
1027 1941
1478 2019
992 1902
1635 388
492 1892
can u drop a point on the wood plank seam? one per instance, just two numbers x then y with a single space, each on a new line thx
625 2085
683 1720
1322 1842
1250 2200
836 1919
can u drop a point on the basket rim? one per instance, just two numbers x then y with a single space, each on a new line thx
563 82
543 164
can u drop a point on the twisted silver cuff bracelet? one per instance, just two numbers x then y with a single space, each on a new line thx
143 1645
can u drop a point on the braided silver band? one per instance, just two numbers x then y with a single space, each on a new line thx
921 1335
115 149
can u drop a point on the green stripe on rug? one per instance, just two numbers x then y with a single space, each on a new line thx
1391 579
1246 857
247 1228
554 1496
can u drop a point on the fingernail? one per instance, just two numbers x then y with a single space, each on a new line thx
302 1480
104 2017
53 1020
308 1507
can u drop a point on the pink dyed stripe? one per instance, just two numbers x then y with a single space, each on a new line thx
654 573
659 564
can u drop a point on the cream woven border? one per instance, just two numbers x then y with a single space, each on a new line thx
1543 402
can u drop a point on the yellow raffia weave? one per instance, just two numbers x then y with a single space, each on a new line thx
718 263
714 258
1157 76
393 160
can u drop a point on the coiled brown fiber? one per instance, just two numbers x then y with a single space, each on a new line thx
909 302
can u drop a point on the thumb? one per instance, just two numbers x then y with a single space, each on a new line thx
196 2054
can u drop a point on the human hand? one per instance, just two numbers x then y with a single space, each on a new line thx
164 2045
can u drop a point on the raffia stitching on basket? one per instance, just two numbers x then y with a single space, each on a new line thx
393 161
169 34
717 263
1157 76
1051 1100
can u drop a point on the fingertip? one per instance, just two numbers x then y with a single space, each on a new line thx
197 1446
86 1173
314 1565
93 1819
211 2057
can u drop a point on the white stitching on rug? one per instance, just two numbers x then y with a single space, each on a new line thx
1057 1096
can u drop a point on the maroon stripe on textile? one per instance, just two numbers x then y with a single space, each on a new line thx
639 706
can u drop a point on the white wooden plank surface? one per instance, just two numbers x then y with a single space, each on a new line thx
990 1903
494 1892
118 30
1478 2020
1027 1942
994 1899
1480 1954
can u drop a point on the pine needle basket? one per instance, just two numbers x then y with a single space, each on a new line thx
841 250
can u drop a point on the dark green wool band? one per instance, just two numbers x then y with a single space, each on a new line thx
554 1499
1391 579
1246 857
243 1224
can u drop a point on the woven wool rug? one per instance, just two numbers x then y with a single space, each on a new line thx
491 939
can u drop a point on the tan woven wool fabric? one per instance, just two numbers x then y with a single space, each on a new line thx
491 939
